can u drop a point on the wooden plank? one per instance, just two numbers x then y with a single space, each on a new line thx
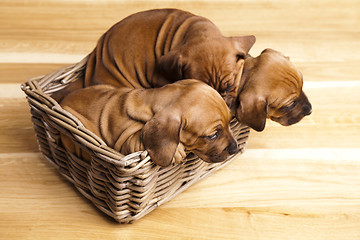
20 72
64 30
16 132
266 177
329 71
255 197
325 15
199 223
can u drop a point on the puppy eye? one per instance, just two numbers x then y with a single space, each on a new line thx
292 105
228 87
289 107
240 56
213 136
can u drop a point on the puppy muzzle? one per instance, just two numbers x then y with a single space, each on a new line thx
307 109
232 148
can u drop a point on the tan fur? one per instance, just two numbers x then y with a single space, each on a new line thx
157 47
270 83
165 121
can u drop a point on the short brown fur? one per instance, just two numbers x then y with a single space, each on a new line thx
157 47
164 121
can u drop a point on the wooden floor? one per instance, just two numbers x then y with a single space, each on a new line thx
299 182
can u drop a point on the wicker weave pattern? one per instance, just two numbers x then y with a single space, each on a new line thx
124 187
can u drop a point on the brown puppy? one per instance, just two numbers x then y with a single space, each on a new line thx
271 87
187 114
157 47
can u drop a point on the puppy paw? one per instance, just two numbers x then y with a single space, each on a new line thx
179 154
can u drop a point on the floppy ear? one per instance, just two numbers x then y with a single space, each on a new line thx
252 111
161 136
244 43
170 65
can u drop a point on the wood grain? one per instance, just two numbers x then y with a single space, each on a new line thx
298 182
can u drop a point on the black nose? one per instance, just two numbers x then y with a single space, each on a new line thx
232 148
307 109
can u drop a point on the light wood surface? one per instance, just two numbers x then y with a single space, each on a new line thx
298 182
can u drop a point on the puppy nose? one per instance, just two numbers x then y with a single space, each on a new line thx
307 109
232 148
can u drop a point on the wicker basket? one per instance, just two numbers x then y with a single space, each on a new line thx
124 187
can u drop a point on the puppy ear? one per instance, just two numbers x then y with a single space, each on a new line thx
252 111
170 65
244 43
161 136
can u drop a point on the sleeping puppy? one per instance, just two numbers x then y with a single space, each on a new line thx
157 47
271 87
186 115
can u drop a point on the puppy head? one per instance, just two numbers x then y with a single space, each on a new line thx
199 120
216 61
272 89
206 129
